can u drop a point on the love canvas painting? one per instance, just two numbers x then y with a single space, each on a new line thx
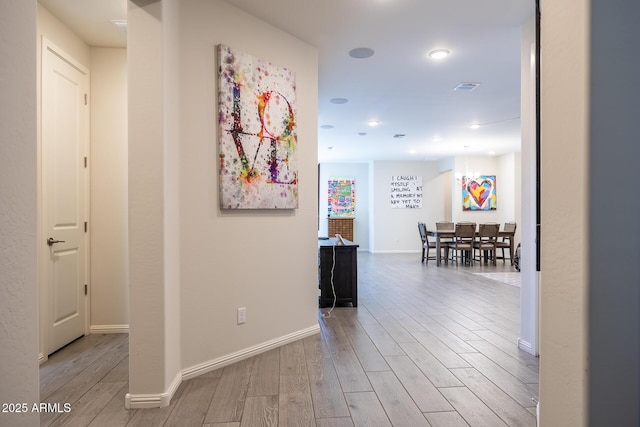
479 193
258 139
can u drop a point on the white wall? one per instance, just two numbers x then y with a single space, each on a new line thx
264 260
526 197
564 239
53 29
18 174
590 298
154 203
360 173
396 230
505 168
510 189
109 282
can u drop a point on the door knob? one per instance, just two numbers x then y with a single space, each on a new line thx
50 241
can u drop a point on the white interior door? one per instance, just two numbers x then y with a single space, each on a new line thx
65 134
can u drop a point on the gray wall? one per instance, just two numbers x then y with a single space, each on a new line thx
614 209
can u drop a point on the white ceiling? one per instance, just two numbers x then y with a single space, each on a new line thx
91 19
407 92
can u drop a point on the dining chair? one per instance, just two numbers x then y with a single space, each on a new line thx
445 226
486 242
463 241
506 242
426 243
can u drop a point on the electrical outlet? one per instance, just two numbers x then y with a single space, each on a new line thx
242 315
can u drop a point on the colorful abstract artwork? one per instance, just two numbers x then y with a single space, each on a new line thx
257 140
341 198
479 193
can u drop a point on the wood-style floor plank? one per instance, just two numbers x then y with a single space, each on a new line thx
441 351
503 379
265 377
446 419
326 393
497 400
515 367
119 373
228 400
334 422
427 345
366 409
400 408
295 407
368 355
382 340
88 406
114 414
455 328
350 372
422 391
472 409
64 365
437 373
260 411
292 359
73 390
191 409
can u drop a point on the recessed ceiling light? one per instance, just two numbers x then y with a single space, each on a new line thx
439 53
474 126
338 100
327 126
412 151
373 123
361 52
436 139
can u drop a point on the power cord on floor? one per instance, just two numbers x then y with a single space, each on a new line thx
333 289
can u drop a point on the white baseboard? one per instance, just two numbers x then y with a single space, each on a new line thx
42 358
109 329
220 362
142 401
139 401
526 346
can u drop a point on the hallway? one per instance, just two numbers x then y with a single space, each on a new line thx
427 346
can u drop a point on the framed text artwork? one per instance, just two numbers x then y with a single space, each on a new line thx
257 133
406 192
479 193
341 198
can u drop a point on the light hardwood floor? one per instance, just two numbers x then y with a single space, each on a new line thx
426 346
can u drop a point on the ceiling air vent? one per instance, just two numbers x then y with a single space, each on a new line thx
399 135
466 87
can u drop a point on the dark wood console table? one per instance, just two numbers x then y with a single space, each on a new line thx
345 272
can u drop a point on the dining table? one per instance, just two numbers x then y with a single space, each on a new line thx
442 236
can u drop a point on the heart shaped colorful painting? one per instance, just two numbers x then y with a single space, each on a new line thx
479 193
